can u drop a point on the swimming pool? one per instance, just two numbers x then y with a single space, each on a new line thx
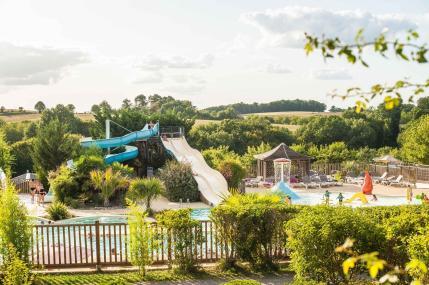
309 198
93 219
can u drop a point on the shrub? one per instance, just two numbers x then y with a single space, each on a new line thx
15 227
408 222
315 233
187 235
233 172
243 282
140 237
58 211
64 184
249 226
15 270
179 182
21 152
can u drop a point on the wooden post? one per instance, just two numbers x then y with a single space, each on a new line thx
97 245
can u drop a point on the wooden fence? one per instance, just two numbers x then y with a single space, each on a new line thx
411 173
107 244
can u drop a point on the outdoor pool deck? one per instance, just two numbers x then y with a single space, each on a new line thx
162 203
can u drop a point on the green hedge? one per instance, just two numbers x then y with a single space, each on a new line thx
250 225
396 233
179 182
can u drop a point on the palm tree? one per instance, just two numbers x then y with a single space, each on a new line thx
107 182
146 190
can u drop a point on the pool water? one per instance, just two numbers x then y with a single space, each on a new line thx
93 219
307 198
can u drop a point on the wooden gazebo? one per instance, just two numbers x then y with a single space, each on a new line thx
265 161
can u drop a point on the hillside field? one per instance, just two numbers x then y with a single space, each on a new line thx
26 116
301 114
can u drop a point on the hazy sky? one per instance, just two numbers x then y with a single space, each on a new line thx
210 52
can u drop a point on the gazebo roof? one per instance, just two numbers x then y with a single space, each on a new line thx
281 151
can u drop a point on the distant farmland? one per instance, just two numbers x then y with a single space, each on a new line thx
26 116
301 114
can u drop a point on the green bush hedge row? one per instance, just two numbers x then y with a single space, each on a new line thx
250 224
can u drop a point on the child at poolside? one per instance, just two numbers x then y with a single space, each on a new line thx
288 200
409 194
326 196
340 199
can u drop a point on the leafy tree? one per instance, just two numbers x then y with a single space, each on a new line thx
140 101
238 134
2 109
408 50
146 190
334 152
107 182
15 227
214 156
274 106
65 115
422 108
324 130
415 141
6 157
248 158
126 103
40 106
21 151
31 130
52 147
13 132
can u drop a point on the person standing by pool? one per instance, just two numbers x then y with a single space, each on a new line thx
340 199
409 194
326 197
288 200
367 184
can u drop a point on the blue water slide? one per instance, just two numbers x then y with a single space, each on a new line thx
130 152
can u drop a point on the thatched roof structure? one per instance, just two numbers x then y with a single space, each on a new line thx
281 151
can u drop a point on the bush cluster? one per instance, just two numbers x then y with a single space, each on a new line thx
187 233
179 182
58 211
249 226
398 234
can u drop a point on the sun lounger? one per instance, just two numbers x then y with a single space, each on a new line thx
307 183
380 179
399 182
324 181
388 180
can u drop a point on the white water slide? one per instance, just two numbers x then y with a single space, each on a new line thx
211 183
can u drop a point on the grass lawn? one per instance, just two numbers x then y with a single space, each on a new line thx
210 276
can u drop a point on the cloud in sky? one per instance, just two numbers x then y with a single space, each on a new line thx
331 74
277 68
154 62
150 77
26 65
285 27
